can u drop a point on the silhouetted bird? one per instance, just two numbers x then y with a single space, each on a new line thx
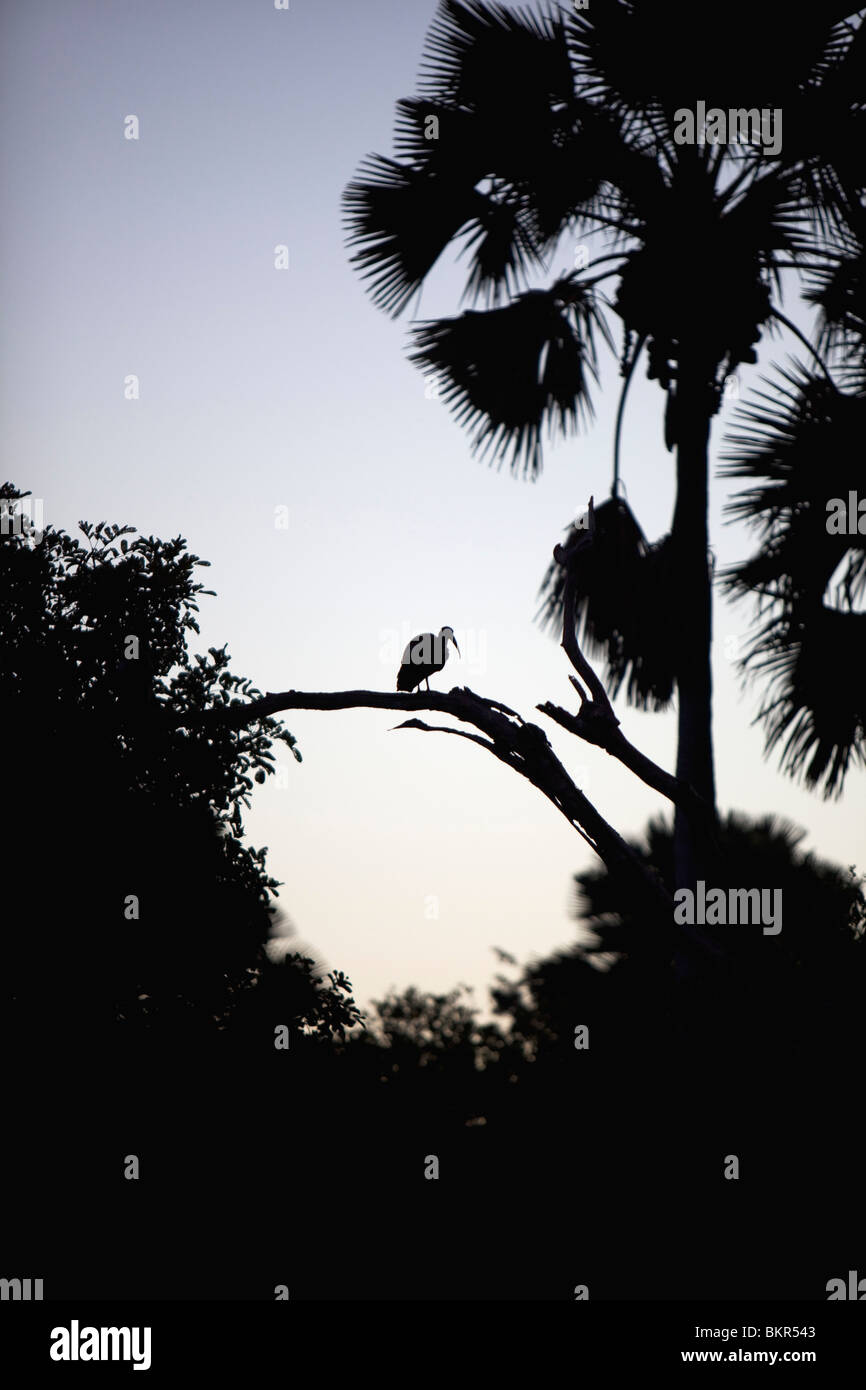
425 655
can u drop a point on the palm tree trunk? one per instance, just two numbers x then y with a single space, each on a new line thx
693 612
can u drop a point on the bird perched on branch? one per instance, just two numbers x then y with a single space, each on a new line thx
425 655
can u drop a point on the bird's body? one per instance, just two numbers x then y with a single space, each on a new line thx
425 655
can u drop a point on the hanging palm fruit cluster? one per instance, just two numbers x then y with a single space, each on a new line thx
658 296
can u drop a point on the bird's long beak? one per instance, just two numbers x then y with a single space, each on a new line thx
454 640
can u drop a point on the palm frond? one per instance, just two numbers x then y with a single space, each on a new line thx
488 57
507 76
508 371
402 218
838 290
505 247
801 442
800 436
815 708
632 52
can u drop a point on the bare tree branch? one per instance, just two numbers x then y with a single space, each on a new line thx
445 729
523 747
596 722
564 555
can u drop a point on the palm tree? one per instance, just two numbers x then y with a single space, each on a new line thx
535 127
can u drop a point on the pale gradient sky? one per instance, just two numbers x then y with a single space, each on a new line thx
262 388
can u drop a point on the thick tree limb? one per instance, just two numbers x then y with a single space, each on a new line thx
595 730
523 747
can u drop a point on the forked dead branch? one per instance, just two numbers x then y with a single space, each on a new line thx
525 748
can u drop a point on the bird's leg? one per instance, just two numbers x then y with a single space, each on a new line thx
427 683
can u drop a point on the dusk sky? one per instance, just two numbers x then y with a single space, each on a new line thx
405 857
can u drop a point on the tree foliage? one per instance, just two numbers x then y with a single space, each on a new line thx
131 894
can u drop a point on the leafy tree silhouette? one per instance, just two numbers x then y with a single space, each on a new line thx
137 991
148 848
